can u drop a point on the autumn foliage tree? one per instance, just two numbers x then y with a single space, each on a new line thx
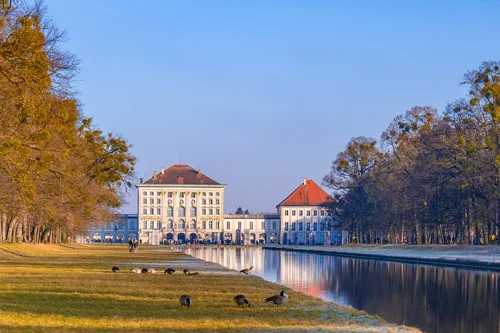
59 173
436 178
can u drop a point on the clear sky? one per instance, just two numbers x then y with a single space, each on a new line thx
261 94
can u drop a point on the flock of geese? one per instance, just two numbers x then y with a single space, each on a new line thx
187 300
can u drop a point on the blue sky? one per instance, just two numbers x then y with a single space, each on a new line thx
261 94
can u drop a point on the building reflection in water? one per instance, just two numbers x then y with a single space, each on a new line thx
433 298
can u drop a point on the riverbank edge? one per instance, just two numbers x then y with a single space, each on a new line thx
353 253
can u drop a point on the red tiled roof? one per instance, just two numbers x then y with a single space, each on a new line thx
307 194
181 174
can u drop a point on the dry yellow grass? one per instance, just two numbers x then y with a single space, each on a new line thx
70 288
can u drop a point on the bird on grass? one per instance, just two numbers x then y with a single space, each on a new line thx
193 274
144 271
186 271
152 270
186 300
246 270
241 300
115 269
278 299
169 271
136 270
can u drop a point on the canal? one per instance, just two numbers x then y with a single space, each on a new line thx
432 298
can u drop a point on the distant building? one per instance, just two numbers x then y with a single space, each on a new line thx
180 203
123 228
304 216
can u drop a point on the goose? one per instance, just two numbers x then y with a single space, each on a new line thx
277 299
186 271
144 271
152 270
169 271
115 269
193 274
241 300
246 270
136 270
186 300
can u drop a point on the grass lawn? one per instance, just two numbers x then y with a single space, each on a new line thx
70 288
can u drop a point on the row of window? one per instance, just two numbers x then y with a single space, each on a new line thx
308 212
308 226
181 211
181 194
181 224
158 201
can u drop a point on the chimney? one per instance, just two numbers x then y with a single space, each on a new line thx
198 169
162 171
180 180
154 173
305 181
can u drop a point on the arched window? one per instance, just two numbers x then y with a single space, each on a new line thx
192 211
170 224
192 224
170 211
181 224
182 211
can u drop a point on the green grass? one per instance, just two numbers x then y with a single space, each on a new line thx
70 288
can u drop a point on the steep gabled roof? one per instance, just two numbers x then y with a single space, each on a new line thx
181 174
307 194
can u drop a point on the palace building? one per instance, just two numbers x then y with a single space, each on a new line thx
183 204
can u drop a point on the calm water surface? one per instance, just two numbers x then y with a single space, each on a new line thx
432 298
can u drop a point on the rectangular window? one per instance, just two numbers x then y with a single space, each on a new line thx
286 225
158 211
193 195
315 226
322 226
210 225
145 211
158 194
144 193
210 194
239 225
210 211
217 211
286 212
145 225
308 213
322 212
294 226
210 201
228 225
151 193
203 201
217 201
274 225
217 225
158 201
301 226
152 211
204 194
203 211
170 194
293 212
301 212
181 194
151 224
308 226
144 201
216 194
152 201
315 212
159 224
251 225
204 224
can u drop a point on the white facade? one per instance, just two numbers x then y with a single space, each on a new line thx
305 225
